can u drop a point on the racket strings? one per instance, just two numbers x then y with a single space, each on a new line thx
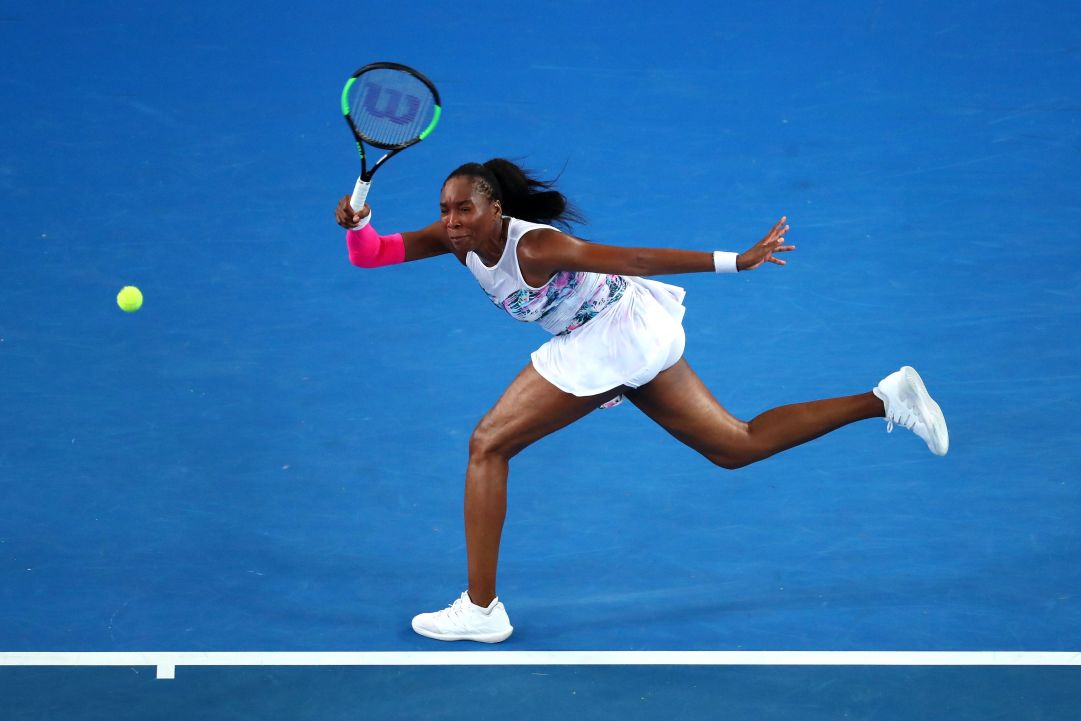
390 107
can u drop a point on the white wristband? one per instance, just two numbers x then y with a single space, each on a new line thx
724 262
364 221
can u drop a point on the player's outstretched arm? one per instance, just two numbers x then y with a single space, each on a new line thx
544 252
368 249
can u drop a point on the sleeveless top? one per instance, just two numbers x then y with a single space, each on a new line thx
569 299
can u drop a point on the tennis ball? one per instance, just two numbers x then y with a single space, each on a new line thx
130 299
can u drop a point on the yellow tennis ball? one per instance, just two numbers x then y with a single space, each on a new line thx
130 299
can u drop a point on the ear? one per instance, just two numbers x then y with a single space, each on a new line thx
498 206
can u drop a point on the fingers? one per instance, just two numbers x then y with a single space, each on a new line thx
777 231
776 236
779 249
343 212
346 216
764 249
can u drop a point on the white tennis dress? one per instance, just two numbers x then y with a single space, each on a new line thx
608 330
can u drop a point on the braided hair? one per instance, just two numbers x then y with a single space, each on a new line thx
521 194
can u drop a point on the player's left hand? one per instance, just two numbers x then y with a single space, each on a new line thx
763 250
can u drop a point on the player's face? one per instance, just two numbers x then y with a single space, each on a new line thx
468 216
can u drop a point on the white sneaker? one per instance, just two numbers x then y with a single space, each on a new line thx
908 404
465 621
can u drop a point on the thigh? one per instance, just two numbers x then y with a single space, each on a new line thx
530 409
679 402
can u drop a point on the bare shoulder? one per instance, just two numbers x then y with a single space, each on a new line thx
545 251
541 243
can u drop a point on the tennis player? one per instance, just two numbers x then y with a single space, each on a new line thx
615 335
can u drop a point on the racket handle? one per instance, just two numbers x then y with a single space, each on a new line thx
360 192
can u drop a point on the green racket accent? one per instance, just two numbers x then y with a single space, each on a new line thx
345 96
431 126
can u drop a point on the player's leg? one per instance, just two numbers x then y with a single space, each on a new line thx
528 410
679 401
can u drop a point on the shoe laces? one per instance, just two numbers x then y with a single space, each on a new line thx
455 609
905 417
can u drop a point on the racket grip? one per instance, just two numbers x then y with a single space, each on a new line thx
360 192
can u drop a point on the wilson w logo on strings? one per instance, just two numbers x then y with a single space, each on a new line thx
393 105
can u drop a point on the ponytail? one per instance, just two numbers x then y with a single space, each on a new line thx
522 195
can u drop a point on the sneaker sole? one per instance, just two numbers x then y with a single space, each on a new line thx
940 435
481 638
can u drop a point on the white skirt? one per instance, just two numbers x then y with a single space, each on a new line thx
626 344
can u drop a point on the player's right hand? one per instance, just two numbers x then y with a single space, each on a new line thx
346 216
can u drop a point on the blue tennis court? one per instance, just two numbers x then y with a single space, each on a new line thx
268 457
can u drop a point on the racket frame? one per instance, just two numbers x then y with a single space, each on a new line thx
360 191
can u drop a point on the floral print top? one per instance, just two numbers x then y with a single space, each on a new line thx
569 299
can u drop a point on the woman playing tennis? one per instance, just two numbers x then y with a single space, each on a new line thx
615 335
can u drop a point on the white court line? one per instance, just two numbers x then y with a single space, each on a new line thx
167 661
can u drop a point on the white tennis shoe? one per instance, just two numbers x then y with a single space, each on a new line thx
909 404
465 621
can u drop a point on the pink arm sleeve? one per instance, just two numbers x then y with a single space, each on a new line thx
368 249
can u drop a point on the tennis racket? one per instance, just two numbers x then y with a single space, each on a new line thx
388 106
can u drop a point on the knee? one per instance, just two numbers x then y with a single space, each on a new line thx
729 462
732 459
738 450
487 440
